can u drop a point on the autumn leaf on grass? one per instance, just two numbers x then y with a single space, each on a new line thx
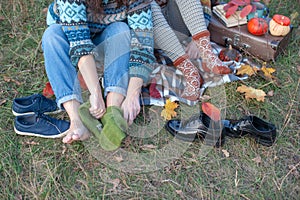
252 93
169 111
247 69
47 91
212 111
268 72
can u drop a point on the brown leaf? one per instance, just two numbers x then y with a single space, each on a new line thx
2 18
252 93
3 101
298 68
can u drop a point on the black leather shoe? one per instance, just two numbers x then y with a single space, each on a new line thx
263 131
198 126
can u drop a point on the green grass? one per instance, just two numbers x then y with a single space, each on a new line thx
35 168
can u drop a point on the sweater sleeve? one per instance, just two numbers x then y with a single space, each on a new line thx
73 17
142 43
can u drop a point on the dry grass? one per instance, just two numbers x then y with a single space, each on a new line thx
34 168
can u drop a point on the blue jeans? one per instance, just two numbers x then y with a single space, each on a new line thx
112 51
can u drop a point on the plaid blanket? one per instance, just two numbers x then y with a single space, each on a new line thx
168 83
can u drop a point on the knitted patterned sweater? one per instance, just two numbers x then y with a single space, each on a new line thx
79 23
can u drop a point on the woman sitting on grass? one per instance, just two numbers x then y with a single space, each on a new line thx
124 30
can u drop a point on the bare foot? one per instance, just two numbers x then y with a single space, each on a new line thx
76 132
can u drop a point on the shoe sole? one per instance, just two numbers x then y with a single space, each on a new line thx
40 135
31 113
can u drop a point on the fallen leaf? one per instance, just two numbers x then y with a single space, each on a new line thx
118 158
169 110
2 18
225 152
271 93
212 111
298 68
247 69
257 159
3 102
268 71
47 91
252 93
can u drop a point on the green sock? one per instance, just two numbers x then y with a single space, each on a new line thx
89 121
114 126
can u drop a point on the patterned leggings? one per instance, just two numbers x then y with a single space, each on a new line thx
179 18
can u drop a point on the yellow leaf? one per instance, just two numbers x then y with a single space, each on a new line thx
247 69
226 153
252 93
268 71
169 111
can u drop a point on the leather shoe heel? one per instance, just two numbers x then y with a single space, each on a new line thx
263 131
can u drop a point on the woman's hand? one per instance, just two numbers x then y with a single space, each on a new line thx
97 108
131 105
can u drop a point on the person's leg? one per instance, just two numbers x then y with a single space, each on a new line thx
114 45
192 14
63 79
166 40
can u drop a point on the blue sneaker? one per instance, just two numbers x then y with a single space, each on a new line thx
40 125
36 103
